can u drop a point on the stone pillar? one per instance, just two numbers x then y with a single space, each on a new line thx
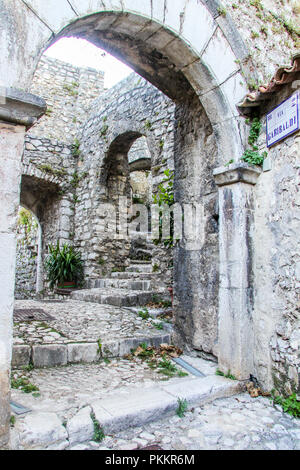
235 326
39 267
18 111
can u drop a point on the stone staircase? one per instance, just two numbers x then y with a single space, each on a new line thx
133 287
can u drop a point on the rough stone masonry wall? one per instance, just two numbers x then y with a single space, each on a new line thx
270 29
69 92
26 261
133 106
48 168
277 265
48 163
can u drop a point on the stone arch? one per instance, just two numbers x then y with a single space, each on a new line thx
40 195
177 46
174 45
116 165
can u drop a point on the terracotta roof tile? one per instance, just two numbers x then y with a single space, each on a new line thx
283 76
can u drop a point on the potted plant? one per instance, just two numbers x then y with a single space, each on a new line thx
64 267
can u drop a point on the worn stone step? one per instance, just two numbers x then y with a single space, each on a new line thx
139 268
116 413
139 261
117 297
134 275
61 354
129 284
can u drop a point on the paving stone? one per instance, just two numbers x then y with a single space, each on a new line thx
270 446
80 428
41 429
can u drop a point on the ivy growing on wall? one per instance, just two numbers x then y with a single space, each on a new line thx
165 197
252 155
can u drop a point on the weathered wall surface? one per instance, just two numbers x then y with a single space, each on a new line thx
132 109
26 260
69 92
199 50
270 29
277 265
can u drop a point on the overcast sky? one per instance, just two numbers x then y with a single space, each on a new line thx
82 53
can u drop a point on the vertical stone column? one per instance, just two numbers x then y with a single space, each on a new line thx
39 268
18 111
235 325
11 147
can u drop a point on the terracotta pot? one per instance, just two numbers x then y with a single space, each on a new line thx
67 285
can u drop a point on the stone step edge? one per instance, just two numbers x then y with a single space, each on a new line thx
122 298
138 285
117 413
61 354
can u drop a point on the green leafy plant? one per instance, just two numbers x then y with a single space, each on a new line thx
52 171
144 314
182 407
155 268
166 366
98 431
148 125
222 11
63 265
290 405
253 156
75 148
165 197
12 421
23 384
229 375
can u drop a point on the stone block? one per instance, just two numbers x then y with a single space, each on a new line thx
198 25
55 13
40 430
21 355
80 428
134 409
49 355
203 390
220 47
83 352
110 349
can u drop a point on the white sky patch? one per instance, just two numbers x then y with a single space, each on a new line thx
82 53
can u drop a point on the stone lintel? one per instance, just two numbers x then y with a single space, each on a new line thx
19 107
238 172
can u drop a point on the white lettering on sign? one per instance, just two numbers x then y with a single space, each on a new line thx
283 120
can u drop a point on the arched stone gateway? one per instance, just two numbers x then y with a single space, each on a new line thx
192 53
178 47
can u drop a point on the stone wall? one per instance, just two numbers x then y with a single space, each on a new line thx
132 109
69 92
26 261
270 29
277 264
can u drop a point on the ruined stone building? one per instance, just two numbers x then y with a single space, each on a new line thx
68 147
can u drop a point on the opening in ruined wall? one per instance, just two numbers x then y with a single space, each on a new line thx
29 255
179 73
140 165
41 198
